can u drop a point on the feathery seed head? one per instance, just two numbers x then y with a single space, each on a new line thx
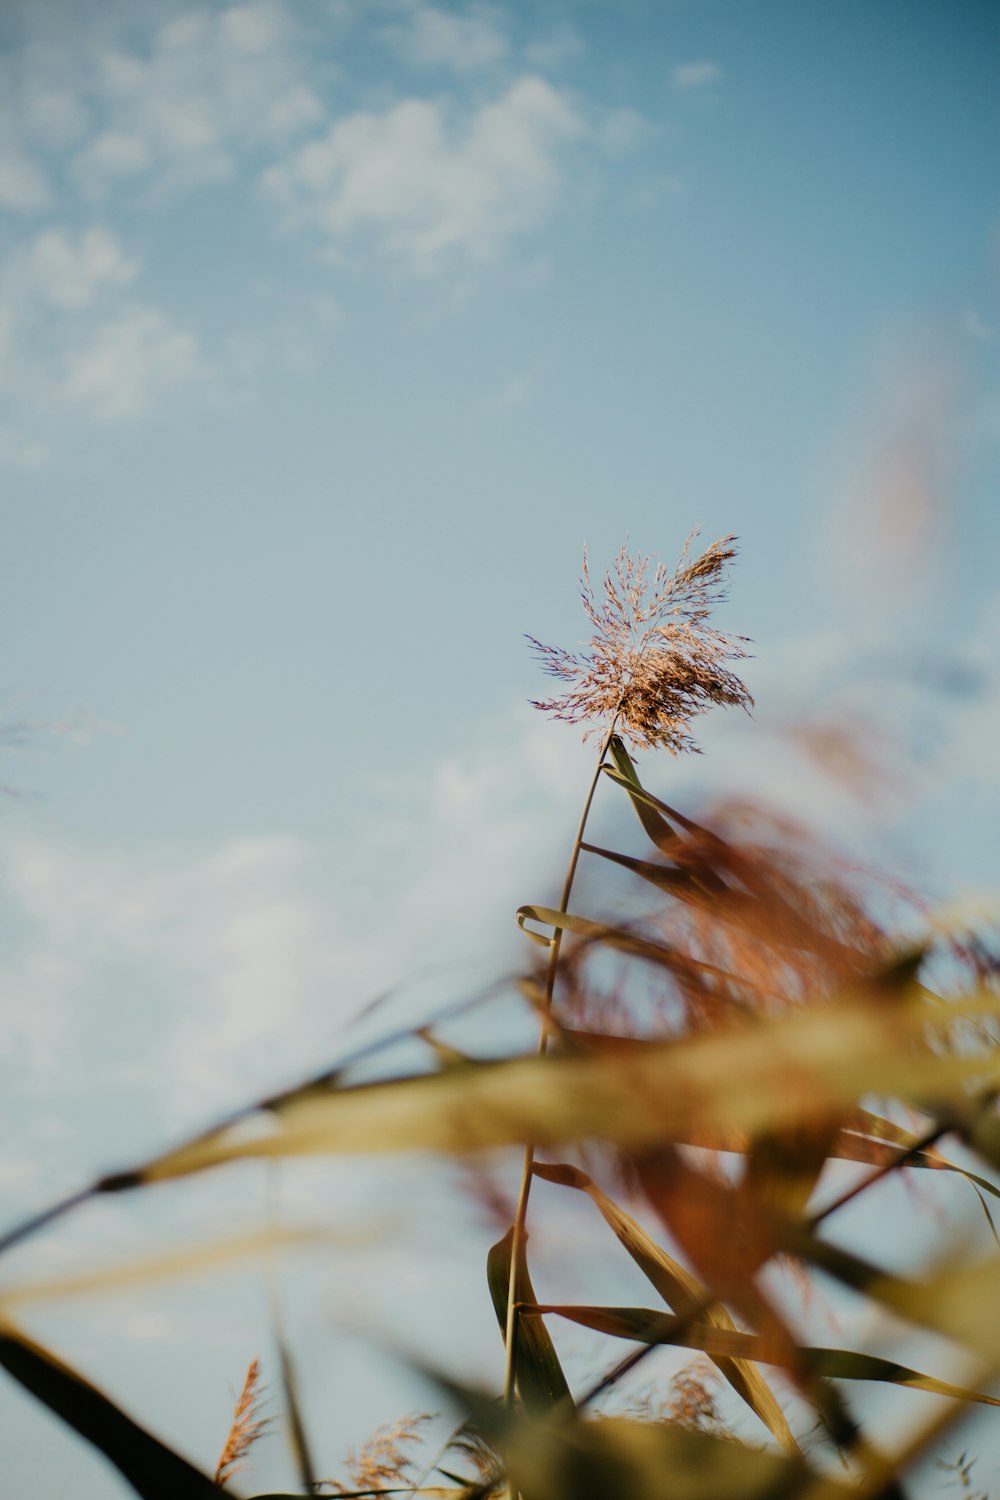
654 662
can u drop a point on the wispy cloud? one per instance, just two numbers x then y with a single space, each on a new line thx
23 185
696 75
622 130
71 270
20 452
180 100
431 183
134 114
555 48
430 37
515 392
215 972
131 360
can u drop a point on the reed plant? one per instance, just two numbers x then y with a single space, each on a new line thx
753 1012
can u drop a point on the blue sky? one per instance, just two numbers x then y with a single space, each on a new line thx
329 333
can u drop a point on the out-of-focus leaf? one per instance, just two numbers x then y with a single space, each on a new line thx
297 1435
189 1261
153 1470
763 1075
540 1379
784 1167
725 1232
621 1460
958 1301
644 1326
681 1291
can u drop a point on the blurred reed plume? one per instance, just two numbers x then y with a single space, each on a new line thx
382 1463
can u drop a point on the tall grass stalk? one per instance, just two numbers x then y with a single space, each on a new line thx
524 1189
652 665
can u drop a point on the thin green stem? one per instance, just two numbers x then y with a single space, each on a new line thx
529 1151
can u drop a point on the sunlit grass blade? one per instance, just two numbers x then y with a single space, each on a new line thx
153 1470
539 1375
681 1291
748 1079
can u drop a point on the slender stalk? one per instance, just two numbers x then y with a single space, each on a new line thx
529 1150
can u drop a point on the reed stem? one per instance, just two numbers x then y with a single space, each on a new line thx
524 1191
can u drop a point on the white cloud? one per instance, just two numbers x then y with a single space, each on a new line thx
71 273
555 48
431 37
183 104
23 188
19 452
696 75
294 111
430 185
250 955
976 326
55 116
622 130
515 392
253 29
110 155
131 361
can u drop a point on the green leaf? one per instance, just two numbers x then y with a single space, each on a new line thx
641 1325
539 1375
623 940
685 883
680 1291
649 812
154 1471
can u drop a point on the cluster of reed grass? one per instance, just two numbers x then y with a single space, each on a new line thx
700 1064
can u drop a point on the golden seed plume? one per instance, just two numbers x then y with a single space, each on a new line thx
382 1461
654 662
246 1428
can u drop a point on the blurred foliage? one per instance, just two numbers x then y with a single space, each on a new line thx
748 1010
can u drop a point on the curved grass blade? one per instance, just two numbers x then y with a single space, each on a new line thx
687 884
652 815
153 1470
540 1379
624 940
886 1131
680 1291
643 1326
